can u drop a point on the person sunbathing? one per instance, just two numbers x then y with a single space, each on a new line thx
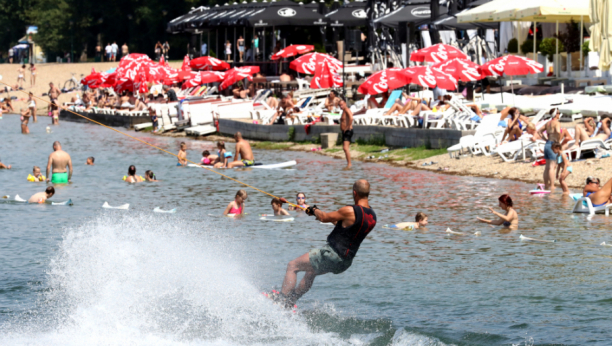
599 195
535 136
373 104
590 130
410 105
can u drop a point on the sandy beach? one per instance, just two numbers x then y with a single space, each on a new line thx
46 73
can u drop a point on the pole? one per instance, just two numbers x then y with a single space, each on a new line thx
217 45
234 45
208 43
343 63
581 43
557 56
72 42
535 37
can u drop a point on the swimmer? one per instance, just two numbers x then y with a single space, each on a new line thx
420 222
58 160
236 206
208 159
90 161
3 166
182 155
510 220
277 206
36 175
41 197
132 177
150 176
223 157
300 200
25 119
563 167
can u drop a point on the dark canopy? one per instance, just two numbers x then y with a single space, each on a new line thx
284 12
449 22
351 15
182 23
418 14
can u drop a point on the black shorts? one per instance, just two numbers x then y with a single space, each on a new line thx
347 136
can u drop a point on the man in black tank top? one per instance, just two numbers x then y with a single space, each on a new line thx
353 223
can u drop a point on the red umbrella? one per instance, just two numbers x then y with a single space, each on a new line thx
385 80
463 70
162 61
430 78
123 84
308 62
324 77
511 65
185 66
93 79
203 78
237 73
437 53
202 63
293 50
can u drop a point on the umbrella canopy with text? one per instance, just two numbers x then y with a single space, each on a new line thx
293 50
430 78
238 73
307 63
461 70
437 53
511 65
208 63
203 78
324 77
385 80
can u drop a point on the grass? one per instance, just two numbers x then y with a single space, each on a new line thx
333 150
271 145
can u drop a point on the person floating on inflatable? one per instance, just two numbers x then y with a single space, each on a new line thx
36 175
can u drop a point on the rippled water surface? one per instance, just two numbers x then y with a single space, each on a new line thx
83 275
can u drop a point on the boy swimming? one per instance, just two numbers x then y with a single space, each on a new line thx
420 222
277 206
41 197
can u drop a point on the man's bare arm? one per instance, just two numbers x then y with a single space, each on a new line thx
344 213
49 163
70 168
237 151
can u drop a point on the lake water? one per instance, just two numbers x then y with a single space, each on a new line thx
84 275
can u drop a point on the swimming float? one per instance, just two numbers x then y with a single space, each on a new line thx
122 207
34 179
539 190
125 177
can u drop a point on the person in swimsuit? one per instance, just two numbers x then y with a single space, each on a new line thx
331 101
3 166
277 206
222 157
283 107
243 151
150 176
25 118
32 106
36 175
41 197
421 221
90 161
410 105
509 220
59 160
300 201
32 75
132 177
182 155
236 207
592 130
514 130
352 225
599 195
208 159
346 127
240 44
563 167
553 135
21 76
54 93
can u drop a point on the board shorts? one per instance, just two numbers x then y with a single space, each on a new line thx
549 154
248 163
240 49
326 260
59 178
347 136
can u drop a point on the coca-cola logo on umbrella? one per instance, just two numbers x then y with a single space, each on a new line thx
423 12
287 12
359 14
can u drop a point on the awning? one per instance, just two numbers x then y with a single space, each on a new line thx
351 15
450 22
284 13
419 14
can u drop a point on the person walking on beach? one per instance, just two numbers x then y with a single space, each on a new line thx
54 93
228 50
114 50
32 75
352 224
553 135
109 52
56 165
255 42
346 126
158 50
244 151
166 50
21 76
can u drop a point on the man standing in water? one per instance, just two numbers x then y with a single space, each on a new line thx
243 148
346 126
58 160
353 223
54 93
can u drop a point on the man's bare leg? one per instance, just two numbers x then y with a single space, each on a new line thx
347 152
300 264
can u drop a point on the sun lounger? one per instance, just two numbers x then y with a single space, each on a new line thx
485 136
201 130
586 146
584 205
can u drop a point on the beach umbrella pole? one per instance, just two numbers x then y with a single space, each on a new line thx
581 43
557 67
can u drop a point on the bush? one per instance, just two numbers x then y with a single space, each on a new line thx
527 46
585 48
548 47
513 46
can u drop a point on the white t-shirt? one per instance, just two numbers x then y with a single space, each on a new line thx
114 48
108 49
11 52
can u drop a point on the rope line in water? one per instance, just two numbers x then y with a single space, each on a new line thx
154 146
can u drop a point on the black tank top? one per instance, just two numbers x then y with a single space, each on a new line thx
346 241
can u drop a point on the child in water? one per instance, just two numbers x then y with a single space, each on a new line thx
236 207
224 156
208 159
150 176
420 222
277 206
563 167
182 155
510 220
36 175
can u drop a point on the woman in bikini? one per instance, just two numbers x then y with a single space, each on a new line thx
32 77
509 220
236 207
599 195
32 106
21 75
25 118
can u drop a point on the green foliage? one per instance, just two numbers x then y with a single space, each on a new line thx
291 134
585 48
372 140
527 46
548 47
513 46
570 38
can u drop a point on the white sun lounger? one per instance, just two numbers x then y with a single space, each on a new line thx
584 205
485 136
